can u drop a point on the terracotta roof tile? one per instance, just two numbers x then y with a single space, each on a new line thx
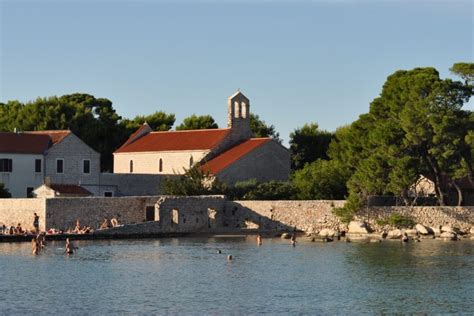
56 136
176 140
69 189
24 143
227 158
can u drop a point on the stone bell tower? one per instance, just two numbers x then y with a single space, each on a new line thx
238 119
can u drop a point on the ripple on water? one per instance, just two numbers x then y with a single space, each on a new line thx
188 276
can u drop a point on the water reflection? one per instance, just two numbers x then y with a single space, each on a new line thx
188 276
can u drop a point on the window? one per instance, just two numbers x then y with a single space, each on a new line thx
59 165
131 166
6 165
38 165
160 165
86 166
149 213
108 194
29 192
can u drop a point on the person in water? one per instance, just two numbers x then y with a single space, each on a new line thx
259 239
105 224
69 249
34 246
293 239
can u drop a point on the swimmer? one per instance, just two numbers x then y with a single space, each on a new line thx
219 251
229 258
405 237
259 239
293 240
69 249
34 246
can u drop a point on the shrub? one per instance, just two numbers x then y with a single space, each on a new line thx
397 220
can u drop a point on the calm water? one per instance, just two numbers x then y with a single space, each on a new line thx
187 276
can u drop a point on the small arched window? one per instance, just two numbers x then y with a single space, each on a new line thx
131 166
191 161
160 165
236 109
244 110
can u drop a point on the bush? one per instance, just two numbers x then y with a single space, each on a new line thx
252 190
4 193
194 182
397 220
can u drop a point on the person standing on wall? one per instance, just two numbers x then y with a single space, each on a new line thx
36 223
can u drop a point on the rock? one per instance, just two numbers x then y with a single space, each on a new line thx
357 228
411 232
448 235
394 234
423 230
447 229
285 236
471 231
436 231
327 233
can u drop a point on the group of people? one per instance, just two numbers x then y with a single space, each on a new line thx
109 224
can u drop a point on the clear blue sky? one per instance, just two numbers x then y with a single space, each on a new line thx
297 61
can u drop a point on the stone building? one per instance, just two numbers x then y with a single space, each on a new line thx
231 154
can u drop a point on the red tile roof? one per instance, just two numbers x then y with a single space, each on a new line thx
24 143
56 136
69 189
224 160
176 140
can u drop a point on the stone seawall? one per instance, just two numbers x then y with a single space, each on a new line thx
14 211
63 213
212 214
307 216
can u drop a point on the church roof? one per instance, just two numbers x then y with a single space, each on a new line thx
205 139
232 155
23 143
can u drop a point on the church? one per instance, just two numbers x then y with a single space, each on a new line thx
231 154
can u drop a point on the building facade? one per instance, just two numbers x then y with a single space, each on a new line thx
232 154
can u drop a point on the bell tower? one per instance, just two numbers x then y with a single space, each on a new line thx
238 119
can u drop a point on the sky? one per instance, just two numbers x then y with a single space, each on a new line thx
297 61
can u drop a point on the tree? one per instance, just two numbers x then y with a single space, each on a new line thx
272 190
4 193
197 122
193 182
415 127
321 180
307 144
465 71
261 129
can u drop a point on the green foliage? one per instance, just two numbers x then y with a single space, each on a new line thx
464 70
321 180
261 129
194 182
397 220
197 122
93 120
346 213
307 144
4 193
252 190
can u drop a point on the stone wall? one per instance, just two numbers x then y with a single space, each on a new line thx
63 213
73 151
270 161
307 216
431 216
130 184
191 214
14 211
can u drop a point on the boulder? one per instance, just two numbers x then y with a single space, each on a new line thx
471 231
436 231
358 228
327 233
411 232
446 228
423 230
285 236
394 234
448 235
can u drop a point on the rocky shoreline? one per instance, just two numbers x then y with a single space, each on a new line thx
362 232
